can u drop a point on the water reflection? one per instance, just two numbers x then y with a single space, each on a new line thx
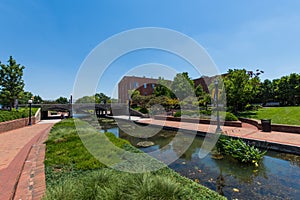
277 177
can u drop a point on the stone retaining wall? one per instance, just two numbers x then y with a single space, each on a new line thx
195 120
275 127
19 123
14 124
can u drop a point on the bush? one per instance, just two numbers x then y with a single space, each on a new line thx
143 110
177 114
230 117
239 150
12 115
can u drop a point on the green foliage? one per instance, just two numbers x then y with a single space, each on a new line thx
286 90
177 114
240 89
239 150
72 173
11 82
97 98
278 115
111 184
162 88
204 114
102 98
182 86
62 100
230 117
139 99
11 115
143 110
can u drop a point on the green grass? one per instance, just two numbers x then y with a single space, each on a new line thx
73 173
11 115
278 115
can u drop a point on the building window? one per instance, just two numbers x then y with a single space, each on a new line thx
136 84
153 85
145 85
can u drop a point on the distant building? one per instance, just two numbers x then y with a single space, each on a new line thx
146 85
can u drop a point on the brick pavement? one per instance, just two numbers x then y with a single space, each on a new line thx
246 131
17 176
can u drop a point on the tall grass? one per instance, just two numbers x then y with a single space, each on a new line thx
73 173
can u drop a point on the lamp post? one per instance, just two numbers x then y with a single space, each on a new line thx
29 120
218 129
71 107
129 99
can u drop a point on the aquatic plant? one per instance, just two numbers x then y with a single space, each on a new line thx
239 150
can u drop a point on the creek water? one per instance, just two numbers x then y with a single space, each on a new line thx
277 177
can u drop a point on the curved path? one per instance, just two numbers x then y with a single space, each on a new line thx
247 131
21 162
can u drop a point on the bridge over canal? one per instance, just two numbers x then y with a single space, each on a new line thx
81 108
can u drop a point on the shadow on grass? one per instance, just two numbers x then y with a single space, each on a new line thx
247 114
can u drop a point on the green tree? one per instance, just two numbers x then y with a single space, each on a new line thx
24 97
240 89
139 99
287 89
101 98
162 88
267 91
37 99
11 82
62 100
182 86
86 99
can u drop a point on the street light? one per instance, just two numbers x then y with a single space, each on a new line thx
129 99
218 129
29 120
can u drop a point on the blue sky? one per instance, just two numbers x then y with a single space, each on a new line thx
52 38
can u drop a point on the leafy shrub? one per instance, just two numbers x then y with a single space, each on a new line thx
205 112
143 110
239 150
177 114
12 115
230 117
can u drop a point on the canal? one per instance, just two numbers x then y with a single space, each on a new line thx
277 177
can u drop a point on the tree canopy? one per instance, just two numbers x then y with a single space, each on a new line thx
11 82
241 89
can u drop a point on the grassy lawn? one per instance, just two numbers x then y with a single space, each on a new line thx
278 115
73 173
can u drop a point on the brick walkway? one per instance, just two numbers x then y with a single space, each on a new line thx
247 131
21 162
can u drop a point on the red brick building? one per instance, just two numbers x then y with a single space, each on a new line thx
146 85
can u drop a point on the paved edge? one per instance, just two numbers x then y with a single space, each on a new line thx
11 175
265 144
32 181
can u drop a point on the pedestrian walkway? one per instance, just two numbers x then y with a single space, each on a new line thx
21 162
246 131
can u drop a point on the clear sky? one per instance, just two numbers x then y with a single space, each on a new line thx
51 38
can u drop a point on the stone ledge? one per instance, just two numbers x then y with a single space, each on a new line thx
195 120
275 127
14 124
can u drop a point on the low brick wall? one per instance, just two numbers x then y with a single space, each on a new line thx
275 127
14 124
195 120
